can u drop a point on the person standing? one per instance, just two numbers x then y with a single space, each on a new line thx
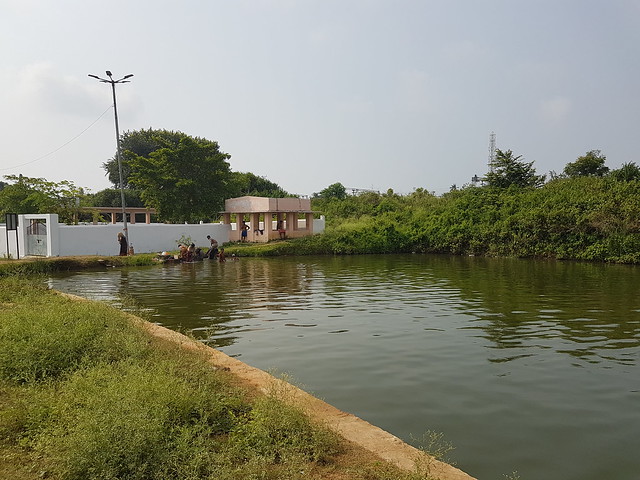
122 240
243 234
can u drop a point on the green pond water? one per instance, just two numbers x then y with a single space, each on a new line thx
527 366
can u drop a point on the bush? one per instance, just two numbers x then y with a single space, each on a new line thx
51 336
138 420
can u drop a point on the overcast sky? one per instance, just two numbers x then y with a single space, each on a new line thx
370 93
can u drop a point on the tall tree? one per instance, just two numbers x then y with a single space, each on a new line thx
138 143
187 181
591 164
508 170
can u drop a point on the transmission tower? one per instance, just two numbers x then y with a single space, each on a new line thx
492 150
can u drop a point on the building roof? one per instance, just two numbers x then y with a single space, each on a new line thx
249 204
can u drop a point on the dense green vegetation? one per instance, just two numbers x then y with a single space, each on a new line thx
37 195
86 394
583 218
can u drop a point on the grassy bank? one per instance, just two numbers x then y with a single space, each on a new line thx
86 394
31 266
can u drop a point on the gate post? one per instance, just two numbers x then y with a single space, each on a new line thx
11 222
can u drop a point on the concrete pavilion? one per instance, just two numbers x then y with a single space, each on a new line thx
263 216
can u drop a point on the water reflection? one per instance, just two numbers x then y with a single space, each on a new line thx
588 311
498 353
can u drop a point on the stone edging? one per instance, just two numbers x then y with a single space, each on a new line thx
381 443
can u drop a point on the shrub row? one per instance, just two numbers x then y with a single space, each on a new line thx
584 218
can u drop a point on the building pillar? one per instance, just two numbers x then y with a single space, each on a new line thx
268 226
292 221
309 222
254 221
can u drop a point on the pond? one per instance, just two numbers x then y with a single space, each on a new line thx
527 366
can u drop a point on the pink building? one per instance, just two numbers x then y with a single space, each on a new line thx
267 219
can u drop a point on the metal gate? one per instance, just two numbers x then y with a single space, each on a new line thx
36 238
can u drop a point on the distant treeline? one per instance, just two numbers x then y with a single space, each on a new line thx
583 218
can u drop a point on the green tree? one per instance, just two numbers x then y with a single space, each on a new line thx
591 164
37 195
508 170
627 173
333 191
110 197
138 143
184 182
246 183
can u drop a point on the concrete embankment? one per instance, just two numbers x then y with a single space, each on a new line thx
354 429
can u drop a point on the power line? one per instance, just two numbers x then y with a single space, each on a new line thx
61 146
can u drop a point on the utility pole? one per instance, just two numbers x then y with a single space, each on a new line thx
118 153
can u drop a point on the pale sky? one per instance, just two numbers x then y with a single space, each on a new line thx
372 94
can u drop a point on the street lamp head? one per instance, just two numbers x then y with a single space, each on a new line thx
94 76
128 76
108 73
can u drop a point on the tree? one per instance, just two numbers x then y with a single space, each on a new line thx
336 190
627 173
110 197
251 184
37 195
508 170
138 143
590 164
187 181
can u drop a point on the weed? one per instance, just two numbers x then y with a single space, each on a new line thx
436 448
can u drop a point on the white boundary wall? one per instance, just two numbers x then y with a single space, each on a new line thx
69 240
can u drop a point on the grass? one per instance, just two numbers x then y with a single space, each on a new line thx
31 266
85 394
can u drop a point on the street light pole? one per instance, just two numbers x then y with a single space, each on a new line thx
118 153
